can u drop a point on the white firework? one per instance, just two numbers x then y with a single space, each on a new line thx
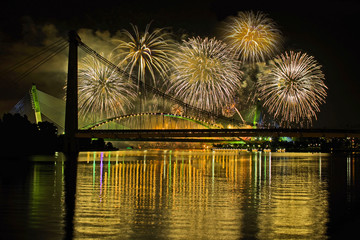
103 91
294 89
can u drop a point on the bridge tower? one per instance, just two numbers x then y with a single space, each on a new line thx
71 112
35 103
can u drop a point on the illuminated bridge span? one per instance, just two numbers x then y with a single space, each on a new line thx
203 123
201 134
149 88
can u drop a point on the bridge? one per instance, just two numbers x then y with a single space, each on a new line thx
205 125
212 134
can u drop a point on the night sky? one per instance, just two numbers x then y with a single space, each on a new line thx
326 30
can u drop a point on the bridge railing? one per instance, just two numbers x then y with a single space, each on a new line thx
213 133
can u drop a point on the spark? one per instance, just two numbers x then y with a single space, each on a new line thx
294 89
145 51
253 37
102 90
205 74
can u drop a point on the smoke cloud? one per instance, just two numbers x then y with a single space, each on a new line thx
49 77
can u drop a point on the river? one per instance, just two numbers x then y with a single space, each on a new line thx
182 194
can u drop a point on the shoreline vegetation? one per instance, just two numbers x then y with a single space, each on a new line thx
20 137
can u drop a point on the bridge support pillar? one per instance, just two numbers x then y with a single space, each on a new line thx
71 112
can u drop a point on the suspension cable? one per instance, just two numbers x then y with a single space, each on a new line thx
148 87
35 55
55 50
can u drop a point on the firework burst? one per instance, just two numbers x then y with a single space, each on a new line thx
205 75
294 89
252 36
177 109
147 51
228 110
103 91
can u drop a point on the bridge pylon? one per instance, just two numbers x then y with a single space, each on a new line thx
71 112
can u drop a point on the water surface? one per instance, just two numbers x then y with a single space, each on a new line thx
183 195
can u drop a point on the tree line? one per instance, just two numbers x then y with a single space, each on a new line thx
19 136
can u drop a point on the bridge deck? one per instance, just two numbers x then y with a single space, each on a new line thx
154 134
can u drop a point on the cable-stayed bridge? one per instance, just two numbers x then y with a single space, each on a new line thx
39 106
52 109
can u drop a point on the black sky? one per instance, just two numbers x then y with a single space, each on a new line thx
327 30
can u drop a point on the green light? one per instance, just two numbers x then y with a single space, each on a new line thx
94 170
257 113
35 104
98 124
237 142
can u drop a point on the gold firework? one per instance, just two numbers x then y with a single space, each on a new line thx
205 74
253 37
145 51
103 92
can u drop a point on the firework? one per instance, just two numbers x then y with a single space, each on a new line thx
294 89
148 51
205 75
252 36
228 110
177 109
103 91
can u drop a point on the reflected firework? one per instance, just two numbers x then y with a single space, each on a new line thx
252 36
205 75
103 91
150 51
294 89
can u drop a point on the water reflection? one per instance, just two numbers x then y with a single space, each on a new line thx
205 194
182 195
344 197
31 197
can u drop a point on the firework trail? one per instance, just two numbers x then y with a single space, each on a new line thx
103 91
147 51
294 89
205 75
253 37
